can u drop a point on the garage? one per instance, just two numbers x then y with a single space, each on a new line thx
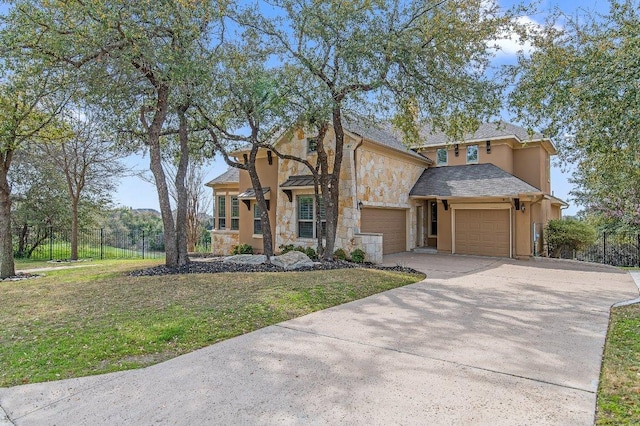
391 223
483 232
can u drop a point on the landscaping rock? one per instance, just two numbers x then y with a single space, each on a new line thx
292 260
246 259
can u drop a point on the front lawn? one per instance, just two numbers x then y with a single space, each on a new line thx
619 390
91 320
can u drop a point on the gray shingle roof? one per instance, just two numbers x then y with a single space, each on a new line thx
230 176
486 131
380 132
298 180
473 180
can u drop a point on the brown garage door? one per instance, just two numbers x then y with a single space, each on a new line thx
482 232
389 222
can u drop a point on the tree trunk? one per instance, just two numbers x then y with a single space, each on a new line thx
7 265
181 190
155 164
74 228
267 239
330 182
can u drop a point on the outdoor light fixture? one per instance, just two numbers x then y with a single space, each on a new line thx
269 157
488 147
360 205
456 150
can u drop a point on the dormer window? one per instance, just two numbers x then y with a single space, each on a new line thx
472 154
441 157
312 145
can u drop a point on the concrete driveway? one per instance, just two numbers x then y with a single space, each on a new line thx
480 341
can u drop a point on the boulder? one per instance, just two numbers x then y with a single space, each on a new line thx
246 259
292 260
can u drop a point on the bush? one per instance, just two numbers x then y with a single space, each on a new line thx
566 235
358 255
340 254
242 249
309 251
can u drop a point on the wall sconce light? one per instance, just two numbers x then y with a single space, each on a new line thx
360 205
245 158
516 202
522 207
445 203
456 149
269 157
488 147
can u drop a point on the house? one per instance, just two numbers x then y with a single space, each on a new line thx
489 194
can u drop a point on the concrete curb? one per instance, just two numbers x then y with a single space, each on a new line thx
636 278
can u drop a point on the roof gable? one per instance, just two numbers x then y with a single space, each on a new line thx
486 131
232 175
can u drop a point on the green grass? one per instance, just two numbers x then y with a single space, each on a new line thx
61 251
92 320
619 390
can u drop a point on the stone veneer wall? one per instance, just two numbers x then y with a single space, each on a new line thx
286 228
385 181
372 246
223 241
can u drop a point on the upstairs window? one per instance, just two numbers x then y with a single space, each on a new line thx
441 157
307 215
235 214
472 154
222 212
312 145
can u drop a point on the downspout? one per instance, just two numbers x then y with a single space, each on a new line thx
355 177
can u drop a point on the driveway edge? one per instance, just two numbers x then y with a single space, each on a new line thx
635 275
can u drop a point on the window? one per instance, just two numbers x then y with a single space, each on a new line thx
312 145
307 217
222 212
235 214
433 218
441 157
472 154
257 222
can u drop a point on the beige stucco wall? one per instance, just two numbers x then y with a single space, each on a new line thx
530 164
522 231
444 229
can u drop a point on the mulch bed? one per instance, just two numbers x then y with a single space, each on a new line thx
217 266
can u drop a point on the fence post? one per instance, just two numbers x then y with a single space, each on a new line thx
143 244
50 242
101 244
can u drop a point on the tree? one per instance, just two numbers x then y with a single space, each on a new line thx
89 162
246 113
140 63
413 60
580 86
198 200
29 104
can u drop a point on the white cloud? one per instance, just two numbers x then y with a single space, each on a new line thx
510 42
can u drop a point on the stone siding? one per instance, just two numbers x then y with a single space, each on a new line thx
222 242
372 246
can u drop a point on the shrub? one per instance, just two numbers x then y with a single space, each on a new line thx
286 248
358 255
340 254
242 249
309 251
566 235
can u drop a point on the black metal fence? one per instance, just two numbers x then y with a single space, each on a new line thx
617 249
47 243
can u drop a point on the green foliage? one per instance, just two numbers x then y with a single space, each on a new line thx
358 255
309 251
566 235
340 254
242 249
579 86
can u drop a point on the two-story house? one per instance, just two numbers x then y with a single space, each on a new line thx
487 195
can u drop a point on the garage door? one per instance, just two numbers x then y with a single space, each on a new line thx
389 222
482 232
